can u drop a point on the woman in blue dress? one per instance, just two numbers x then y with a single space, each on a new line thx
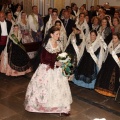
91 61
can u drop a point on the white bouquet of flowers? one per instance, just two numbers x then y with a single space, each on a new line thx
65 59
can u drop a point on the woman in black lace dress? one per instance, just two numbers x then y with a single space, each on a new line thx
108 78
15 59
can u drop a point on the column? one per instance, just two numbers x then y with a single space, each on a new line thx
59 4
27 6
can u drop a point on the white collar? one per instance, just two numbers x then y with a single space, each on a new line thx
2 22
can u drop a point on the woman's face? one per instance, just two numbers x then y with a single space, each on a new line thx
100 11
115 22
95 22
9 16
82 9
81 18
87 19
104 23
116 15
56 35
101 16
92 37
23 15
58 25
54 16
15 29
19 8
115 39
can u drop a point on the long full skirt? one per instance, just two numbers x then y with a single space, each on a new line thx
86 72
6 69
107 82
48 91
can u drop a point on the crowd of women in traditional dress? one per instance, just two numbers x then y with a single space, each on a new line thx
91 38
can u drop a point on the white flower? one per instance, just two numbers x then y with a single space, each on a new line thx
63 57
64 54
99 119
66 60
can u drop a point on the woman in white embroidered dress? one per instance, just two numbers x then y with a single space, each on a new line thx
25 30
48 90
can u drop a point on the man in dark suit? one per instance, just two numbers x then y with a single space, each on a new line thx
91 12
74 9
46 18
97 10
5 27
68 23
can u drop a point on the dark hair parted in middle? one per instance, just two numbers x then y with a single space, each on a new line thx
94 31
58 21
52 30
117 34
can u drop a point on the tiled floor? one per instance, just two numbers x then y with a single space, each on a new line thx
87 104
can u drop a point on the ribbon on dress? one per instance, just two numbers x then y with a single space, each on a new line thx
115 57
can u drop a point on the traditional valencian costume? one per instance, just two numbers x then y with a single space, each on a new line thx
90 63
63 37
14 59
51 23
83 26
48 90
26 34
74 47
108 78
106 33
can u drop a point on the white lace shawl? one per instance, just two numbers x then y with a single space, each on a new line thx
78 49
111 48
101 32
92 47
23 26
50 48
63 38
82 27
4 52
49 24
113 51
